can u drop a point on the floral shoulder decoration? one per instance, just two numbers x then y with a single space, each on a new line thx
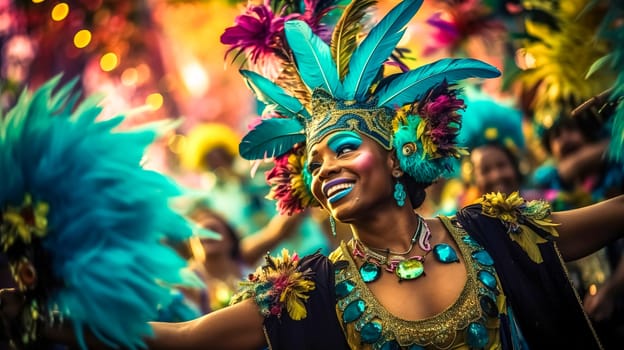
278 284
515 213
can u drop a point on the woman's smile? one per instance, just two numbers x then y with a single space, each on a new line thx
336 189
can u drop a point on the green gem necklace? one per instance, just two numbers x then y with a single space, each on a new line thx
403 265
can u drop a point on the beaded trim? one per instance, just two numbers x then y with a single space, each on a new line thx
332 115
440 331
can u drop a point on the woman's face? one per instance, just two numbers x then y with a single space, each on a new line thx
213 246
493 170
351 174
565 141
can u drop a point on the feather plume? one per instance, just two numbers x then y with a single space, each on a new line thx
411 86
271 94
290 81
376 48
46 150
313 57
562 59
263 141
344 38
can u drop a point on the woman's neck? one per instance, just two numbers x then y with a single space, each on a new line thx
392 229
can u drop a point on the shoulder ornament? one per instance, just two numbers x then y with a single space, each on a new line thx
522 218
278 284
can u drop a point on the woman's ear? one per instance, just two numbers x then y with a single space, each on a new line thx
395 165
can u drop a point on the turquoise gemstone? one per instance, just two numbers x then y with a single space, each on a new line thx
344 288
370 272
488 306
415 347
354 310
390 345
410 269
445 253
487 278
371 332
483 258
477 336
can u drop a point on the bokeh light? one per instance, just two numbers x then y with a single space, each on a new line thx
130 76
60 11
109 61
155 101
82 38
195 78
144 73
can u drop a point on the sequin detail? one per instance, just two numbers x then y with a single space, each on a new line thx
445 253
370 272
472 318
410 269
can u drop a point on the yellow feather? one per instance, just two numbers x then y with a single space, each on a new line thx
561 60
344 38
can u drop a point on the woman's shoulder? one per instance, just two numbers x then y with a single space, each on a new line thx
527 223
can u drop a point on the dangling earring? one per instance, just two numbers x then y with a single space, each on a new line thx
399 193
332 224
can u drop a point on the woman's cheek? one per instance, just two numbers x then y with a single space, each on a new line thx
315 188
364 161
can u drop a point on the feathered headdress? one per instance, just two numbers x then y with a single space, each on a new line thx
558 59
341 86
486 121
611 30
82 223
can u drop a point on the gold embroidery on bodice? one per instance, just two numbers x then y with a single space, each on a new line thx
445 330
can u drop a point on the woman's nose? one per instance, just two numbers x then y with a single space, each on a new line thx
328 168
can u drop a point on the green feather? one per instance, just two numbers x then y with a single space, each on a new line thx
272 94
314 60
411 86
271 138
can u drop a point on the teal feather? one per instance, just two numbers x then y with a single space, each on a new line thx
616 146
313 56
271 138
107 213
62 99
272 94
419 165
411 86
375 49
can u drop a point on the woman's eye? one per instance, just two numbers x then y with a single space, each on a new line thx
313 166
345 149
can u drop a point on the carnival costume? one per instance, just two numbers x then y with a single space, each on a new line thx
83 224
316 302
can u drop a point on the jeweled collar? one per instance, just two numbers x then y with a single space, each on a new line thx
471 319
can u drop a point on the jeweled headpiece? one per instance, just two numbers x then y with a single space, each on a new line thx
341 86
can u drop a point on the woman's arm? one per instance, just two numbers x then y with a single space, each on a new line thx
585 230
236 327
255 246
586 160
